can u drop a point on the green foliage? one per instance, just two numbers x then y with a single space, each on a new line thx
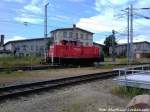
108 43
48 43
128 91
11 61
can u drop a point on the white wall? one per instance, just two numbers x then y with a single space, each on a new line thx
59 36
136 47
32 47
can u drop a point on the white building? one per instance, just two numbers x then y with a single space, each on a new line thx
27 47
36 46
74 34
138 47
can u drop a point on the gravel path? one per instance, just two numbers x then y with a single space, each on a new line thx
88 97
42 75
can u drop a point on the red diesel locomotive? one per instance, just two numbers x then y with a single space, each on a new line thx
73 53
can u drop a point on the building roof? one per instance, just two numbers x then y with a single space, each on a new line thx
60 29
98 44
23 40
134 43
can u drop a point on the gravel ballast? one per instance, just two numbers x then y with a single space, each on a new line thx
88 97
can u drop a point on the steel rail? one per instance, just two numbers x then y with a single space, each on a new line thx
45 67
20 90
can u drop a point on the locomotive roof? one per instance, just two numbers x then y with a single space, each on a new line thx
59 29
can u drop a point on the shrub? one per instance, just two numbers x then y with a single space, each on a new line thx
128 91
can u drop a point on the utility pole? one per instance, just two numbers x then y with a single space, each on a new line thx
113 46
45 21
128 34
45 27
131 32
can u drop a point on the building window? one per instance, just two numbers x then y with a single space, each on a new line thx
81 36
32 47
76 35
70 34
64 34
41 48
87 36
24 47
17 48
37 48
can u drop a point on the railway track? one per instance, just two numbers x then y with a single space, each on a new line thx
45 67
20 90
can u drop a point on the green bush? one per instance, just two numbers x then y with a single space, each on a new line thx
128 91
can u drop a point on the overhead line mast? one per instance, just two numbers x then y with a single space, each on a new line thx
45 28
130 14
45 21
131 32
128 34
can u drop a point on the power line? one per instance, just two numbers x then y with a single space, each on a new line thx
23 23
140 15
144 8
51 17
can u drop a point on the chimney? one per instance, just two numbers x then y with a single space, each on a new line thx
2 40
74 26
74 31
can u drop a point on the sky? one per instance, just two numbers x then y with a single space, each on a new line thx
23 19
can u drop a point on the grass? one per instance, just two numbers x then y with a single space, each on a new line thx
18 61
107 66
123 60
128 91
49 72
12 74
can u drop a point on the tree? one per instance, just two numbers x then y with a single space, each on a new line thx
49 43
108 43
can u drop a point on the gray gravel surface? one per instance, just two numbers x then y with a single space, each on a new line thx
23 77
88 97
